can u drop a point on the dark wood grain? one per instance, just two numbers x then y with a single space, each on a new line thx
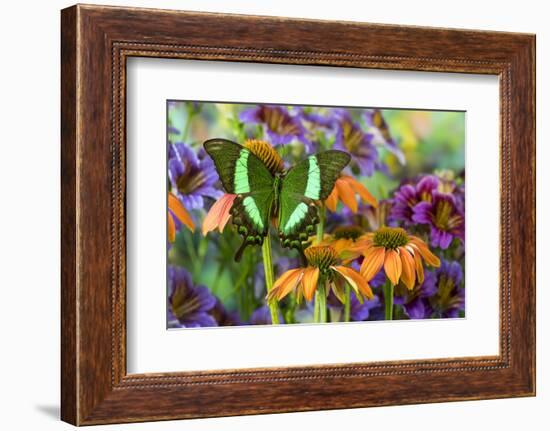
96 41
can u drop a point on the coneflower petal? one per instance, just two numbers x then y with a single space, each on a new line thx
372 262
392 266
332 200
179 211
429 257
219 214
309 282
362 191
419 267
171 229
346 193
285 283
357 282
407 263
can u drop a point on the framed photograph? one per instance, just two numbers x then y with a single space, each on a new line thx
345 211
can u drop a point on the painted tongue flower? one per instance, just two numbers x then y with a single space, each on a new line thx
176 211
358 311
322 266
189 306
381 133
191 178
262 316
409 195
279 125
352 139
443 216
399 253
448 300
346 189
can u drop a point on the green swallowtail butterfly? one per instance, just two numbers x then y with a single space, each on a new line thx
289 196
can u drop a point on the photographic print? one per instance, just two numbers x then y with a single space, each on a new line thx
288 214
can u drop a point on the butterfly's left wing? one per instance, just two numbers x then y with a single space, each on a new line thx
309 181
244 174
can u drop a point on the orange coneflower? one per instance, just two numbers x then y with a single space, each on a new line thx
176 209
219 214
323 267
345 189
343 239
399 253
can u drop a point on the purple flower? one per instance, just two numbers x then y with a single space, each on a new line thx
279 125
381 133
189 306
415 302
448 297
223 316
409 195
443 216
191 177
358 311
262 316
353 140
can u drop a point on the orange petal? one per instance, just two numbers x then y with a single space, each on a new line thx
407 263
332 200
171 228
419 267
362 191
346 193
429 257
219 214
392 266
309 282
355 280
285 284
372 262
179 211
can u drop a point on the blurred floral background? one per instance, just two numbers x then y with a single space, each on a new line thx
393 227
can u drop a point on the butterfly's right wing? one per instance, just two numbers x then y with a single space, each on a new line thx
309 181
244 174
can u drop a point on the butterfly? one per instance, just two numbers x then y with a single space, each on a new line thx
290 197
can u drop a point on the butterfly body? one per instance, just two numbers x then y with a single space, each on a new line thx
290 197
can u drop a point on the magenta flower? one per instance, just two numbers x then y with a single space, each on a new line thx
444 217
409 195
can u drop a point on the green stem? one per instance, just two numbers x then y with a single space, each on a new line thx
316 308
388 299
269 278
320 303
321 224
347 303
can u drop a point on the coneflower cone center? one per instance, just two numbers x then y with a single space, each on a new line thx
348 232
322 257
391 237
266 153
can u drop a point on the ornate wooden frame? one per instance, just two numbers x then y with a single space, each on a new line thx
95 43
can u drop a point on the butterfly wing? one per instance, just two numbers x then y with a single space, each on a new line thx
309 181
244 174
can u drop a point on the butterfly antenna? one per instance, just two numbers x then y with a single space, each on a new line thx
240 251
